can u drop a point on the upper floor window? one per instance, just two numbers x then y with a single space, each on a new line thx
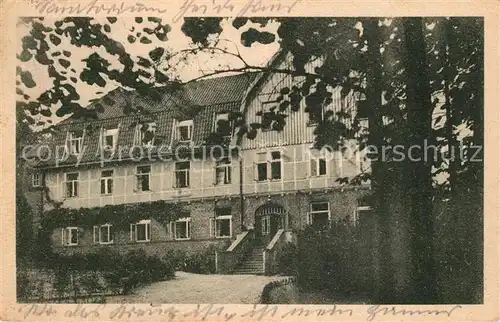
141 231
72 185
36 179
69 236
261 166
318 166
103 234
275 165
185 130
182 174
223 171
145 134
142 175
316 116
107 182
268 166
109 139
75 142
319 215
223 124
363 212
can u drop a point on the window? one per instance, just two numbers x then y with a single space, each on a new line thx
182 229
185 130
275 165
363 212
145 134
106 182
222 225
141 231
261 166
182 174
223 171
316 117
75 142
36 180
268 168
319 215
318 166
142 175
69 236
109 139
103 234
266 224
71 185
222 124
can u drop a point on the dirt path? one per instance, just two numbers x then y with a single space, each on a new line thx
189 288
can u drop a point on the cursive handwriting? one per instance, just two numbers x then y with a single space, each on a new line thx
375 310
227 8
93 7
219 312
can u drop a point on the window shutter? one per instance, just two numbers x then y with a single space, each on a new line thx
313 168
132 232
309 218
62 236
96 234
171 230
212 227
148 231
255 172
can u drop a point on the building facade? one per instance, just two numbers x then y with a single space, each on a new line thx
186 151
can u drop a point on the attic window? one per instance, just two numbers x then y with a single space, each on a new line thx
222 124
75 142
145 134
109 138
185 130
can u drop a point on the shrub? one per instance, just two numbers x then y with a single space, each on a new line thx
288 260
201 262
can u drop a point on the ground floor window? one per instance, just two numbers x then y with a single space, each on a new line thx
103 234
141 231
319 215
69 236
363 212
182 228
221 226
266 224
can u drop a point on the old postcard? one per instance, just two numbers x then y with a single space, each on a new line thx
249 160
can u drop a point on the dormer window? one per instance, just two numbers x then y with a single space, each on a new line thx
75 142
145 134
185 130
223 124
109 139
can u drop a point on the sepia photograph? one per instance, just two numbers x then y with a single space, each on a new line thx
250 160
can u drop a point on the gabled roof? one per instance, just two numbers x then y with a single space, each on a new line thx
200 100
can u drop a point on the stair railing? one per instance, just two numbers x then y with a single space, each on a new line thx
226 261
271 252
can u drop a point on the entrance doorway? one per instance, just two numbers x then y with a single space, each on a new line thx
268 219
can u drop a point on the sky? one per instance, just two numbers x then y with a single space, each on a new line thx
196 65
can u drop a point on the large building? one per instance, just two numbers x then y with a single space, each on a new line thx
206 184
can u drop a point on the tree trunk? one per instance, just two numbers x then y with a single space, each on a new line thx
418 170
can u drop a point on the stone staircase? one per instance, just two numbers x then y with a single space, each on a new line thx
253 264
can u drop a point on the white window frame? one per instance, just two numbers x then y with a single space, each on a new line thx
265 221
137 175
109 133
260 162
311 213
97 233
186 172
271 161
73 141
67 233
189 125
133 231
225 117
315 162
358 209
74 183
224 166
213 226
108 183
139 135
187 220
36 180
